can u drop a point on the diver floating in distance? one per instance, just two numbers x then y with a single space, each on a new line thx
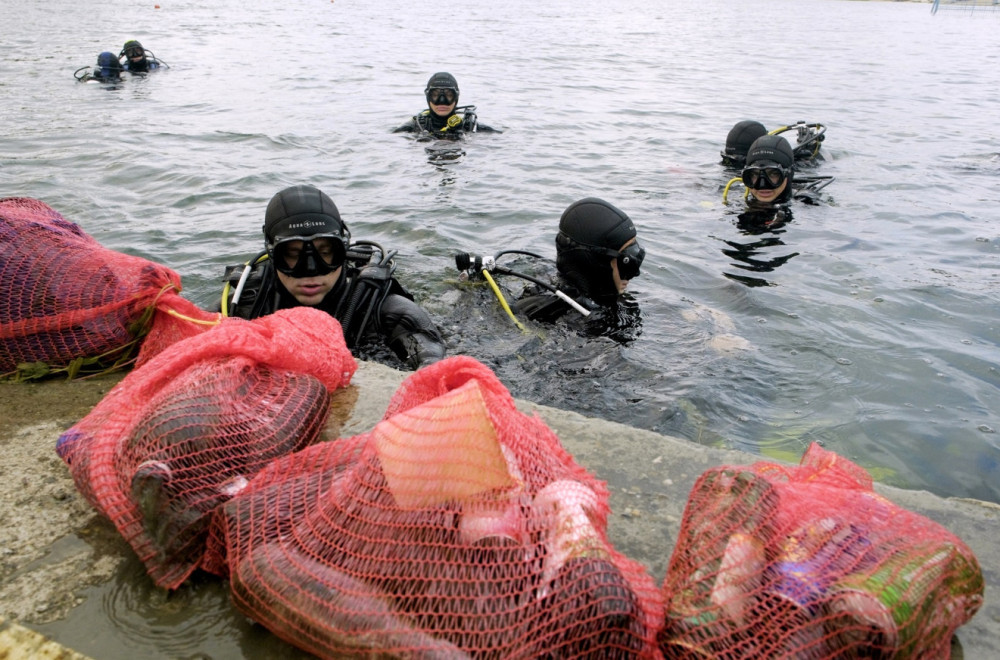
136 59
769 176
597 254
108 70
444 117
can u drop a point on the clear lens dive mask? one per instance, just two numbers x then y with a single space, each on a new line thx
764 178
308 256
440 96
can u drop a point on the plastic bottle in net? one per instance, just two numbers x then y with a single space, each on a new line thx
185 432
810 562
458 527
65 300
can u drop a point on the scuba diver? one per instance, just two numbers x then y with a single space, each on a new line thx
809 139
108 69
597 253
136 59
309 259
771 184
769 176
444 117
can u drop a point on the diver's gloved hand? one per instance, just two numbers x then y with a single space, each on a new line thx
418 349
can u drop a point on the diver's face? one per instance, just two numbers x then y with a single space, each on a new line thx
620 284
442 102
311 290
769 194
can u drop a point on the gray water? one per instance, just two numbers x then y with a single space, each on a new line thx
878 337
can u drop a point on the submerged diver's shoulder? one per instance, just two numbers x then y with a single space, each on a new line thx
411 126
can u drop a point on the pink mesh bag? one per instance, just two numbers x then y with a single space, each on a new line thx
810 562
458 527
66 302
189 429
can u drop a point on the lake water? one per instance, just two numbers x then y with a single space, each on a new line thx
874 329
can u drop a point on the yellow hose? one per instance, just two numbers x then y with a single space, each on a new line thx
725 192
503 302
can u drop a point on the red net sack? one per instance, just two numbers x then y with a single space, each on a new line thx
458 527
66 302
188 430
810 562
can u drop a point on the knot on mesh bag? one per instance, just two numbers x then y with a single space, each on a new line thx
809 561
457 527
66 302
189 429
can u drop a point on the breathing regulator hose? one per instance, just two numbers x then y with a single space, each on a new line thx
470 263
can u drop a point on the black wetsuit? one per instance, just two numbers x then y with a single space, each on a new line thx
366 300
617 318
465 121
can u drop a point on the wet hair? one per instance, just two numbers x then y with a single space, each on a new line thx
303 211
773 149
588 229
738 142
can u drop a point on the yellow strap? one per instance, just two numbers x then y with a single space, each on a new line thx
503 302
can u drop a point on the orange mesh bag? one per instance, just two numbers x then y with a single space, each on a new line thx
185 432
458 527
66 302
810 562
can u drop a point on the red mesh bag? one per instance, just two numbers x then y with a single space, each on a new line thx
810 562
66 302
185 432
458 527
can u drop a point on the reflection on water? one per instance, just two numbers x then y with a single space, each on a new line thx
136 619
759 255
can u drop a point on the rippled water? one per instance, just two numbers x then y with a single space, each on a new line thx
878 337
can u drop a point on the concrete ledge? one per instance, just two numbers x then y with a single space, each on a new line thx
19 643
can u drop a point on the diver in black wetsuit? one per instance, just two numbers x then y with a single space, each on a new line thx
444 117
309 260
738 142
597 253
136 59
769 176
769 171
108 69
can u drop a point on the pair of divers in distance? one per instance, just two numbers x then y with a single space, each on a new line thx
767 165
133 58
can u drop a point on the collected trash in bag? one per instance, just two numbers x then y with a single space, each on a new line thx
457 527
188 430
810 562
66 302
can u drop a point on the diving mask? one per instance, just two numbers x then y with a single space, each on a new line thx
308 256
764 178
441 96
